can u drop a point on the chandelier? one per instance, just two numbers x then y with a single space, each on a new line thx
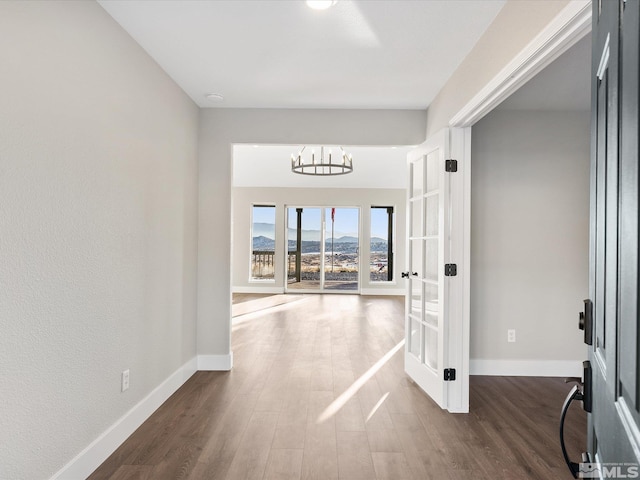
305 164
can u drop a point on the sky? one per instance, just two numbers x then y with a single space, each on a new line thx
346 220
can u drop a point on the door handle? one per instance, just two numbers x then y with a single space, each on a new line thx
582 392
406 274
574 394
586 322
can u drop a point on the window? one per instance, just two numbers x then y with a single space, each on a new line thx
381 246
263 242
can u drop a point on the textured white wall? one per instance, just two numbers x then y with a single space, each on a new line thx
98 230
219 130
513 28
529 234
245 198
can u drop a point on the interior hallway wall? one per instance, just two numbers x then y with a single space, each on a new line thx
529 239
98 222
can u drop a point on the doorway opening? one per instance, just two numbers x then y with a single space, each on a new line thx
530 160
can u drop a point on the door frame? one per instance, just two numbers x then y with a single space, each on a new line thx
564 31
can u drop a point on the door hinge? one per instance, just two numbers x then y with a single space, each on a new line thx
450 270
449 374
451 165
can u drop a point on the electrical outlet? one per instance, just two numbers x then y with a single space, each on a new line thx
125 380
511 335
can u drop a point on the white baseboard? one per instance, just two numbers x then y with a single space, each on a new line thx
383 291
526 368
99 450
215 362
258 289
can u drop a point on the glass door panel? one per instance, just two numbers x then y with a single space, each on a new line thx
416 218
414 339
417 178
431 347
432 177
415 304
304 245
341 246
432 218
431 259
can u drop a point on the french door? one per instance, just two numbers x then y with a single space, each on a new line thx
323 249
434 341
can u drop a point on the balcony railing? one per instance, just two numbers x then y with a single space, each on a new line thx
263 264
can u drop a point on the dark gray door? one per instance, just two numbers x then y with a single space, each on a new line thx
614 437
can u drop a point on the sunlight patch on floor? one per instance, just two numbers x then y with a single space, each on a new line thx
335 406
376 407
290 304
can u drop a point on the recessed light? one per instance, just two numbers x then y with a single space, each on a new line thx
216 97
321 4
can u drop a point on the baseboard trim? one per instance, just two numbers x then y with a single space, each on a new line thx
526 368
258 289
99 450
383 291
215 362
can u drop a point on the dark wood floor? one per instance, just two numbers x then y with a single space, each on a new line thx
276 416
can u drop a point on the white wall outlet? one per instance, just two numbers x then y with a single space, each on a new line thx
125 380
511 335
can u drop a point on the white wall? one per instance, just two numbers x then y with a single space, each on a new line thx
245 198
529 239
219 129
98 222
517 23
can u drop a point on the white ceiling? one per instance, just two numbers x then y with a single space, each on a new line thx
282 54
270 166
564 85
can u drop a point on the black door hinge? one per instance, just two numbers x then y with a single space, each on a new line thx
450 270
449 374
451 165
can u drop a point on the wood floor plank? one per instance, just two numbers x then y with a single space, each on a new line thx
252 455
384 441
133 472
280 413
289 437
391 466
349 418
354 457
284 465
320 459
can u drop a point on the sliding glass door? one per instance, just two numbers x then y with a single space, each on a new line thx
323 246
